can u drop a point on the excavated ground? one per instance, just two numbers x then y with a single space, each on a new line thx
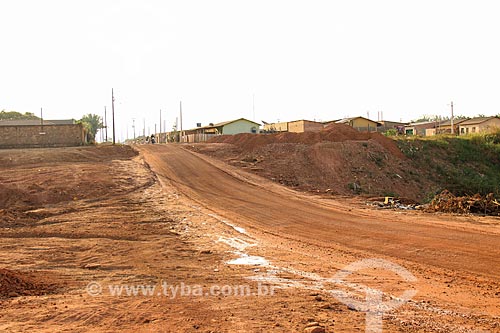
75 223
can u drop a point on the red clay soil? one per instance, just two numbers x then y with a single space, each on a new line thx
20 188
14 284
332 133
337 160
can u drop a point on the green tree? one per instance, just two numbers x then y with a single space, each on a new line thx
14 115
92 123
429 117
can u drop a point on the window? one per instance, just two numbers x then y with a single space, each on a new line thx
473 130
462 130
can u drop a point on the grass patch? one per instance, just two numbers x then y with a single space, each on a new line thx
464 165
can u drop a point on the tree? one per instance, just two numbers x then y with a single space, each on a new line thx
92 123
428 117
14 115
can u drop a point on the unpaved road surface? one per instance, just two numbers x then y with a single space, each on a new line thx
456 262
170 229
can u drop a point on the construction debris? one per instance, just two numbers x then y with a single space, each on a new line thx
446 202
394 203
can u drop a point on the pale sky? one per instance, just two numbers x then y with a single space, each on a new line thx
310 59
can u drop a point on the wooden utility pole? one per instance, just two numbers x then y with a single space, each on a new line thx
180 113
113 113
105 123
133 126
144 127
451 121
41 121
159 137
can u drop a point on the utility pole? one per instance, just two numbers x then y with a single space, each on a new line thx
144 127
451 121
105 123
180 113
113 113
159 140
133 126
41 121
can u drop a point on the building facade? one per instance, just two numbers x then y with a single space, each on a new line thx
479 125
18 135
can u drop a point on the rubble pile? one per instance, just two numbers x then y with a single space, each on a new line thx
394 203
446 202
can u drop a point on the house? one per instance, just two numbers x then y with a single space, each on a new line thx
37 133
444 127
362 124
386 125
296 126
419 128
275 127
203 133
301 126
479 124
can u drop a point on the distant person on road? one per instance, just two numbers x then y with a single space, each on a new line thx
153 138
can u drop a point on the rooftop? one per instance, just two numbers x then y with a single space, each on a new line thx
31 122
477 120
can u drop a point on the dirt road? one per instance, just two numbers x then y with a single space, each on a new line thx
256 203
456 259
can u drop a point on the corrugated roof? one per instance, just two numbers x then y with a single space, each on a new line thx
455 122
224 123
24 122
420 123
346 120
477 120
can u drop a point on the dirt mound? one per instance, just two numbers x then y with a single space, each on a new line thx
31 178
14 284
10 196
41 156
332 133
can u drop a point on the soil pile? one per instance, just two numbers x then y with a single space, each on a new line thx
31 178
14 284
331 133
446 202
42 156
336 160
